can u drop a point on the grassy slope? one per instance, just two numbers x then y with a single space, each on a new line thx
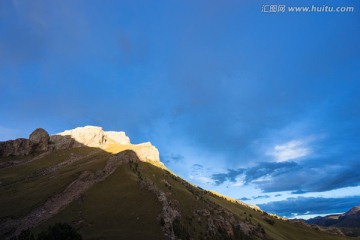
113 208
118 206
281 230
20 192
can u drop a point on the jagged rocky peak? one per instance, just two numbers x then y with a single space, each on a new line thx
93 136
90 136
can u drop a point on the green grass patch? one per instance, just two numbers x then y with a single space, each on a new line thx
278 229
116 208
21 194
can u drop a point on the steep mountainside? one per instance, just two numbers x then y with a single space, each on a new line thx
108 188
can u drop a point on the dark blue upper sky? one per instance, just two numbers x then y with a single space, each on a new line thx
260 106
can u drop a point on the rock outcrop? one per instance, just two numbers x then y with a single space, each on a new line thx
147 152
38 142
90 136
93 136
118 137
17 147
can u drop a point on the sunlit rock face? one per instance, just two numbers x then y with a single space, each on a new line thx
90 136
118 137
147 152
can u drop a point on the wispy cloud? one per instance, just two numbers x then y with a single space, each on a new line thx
202 179
244 199
239 181
199 173
261 197
263 171
172 157
291 150
230 176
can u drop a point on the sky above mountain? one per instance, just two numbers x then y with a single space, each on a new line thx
263 107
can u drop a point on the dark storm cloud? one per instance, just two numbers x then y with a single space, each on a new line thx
307 178
268 168
308 205
252 174
298 178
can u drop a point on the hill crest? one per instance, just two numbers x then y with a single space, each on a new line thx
40 142
349 219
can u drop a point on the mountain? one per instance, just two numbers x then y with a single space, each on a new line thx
350 219
107 188
348 222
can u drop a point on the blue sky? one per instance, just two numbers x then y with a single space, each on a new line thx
263 107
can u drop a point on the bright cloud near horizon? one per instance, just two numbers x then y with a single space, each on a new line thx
290 150
262 107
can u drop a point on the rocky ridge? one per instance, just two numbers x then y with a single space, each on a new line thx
38 142
90 136
350 219
347 223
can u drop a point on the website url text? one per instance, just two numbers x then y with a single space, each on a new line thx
271 8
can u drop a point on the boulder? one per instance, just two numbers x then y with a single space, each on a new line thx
40 140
